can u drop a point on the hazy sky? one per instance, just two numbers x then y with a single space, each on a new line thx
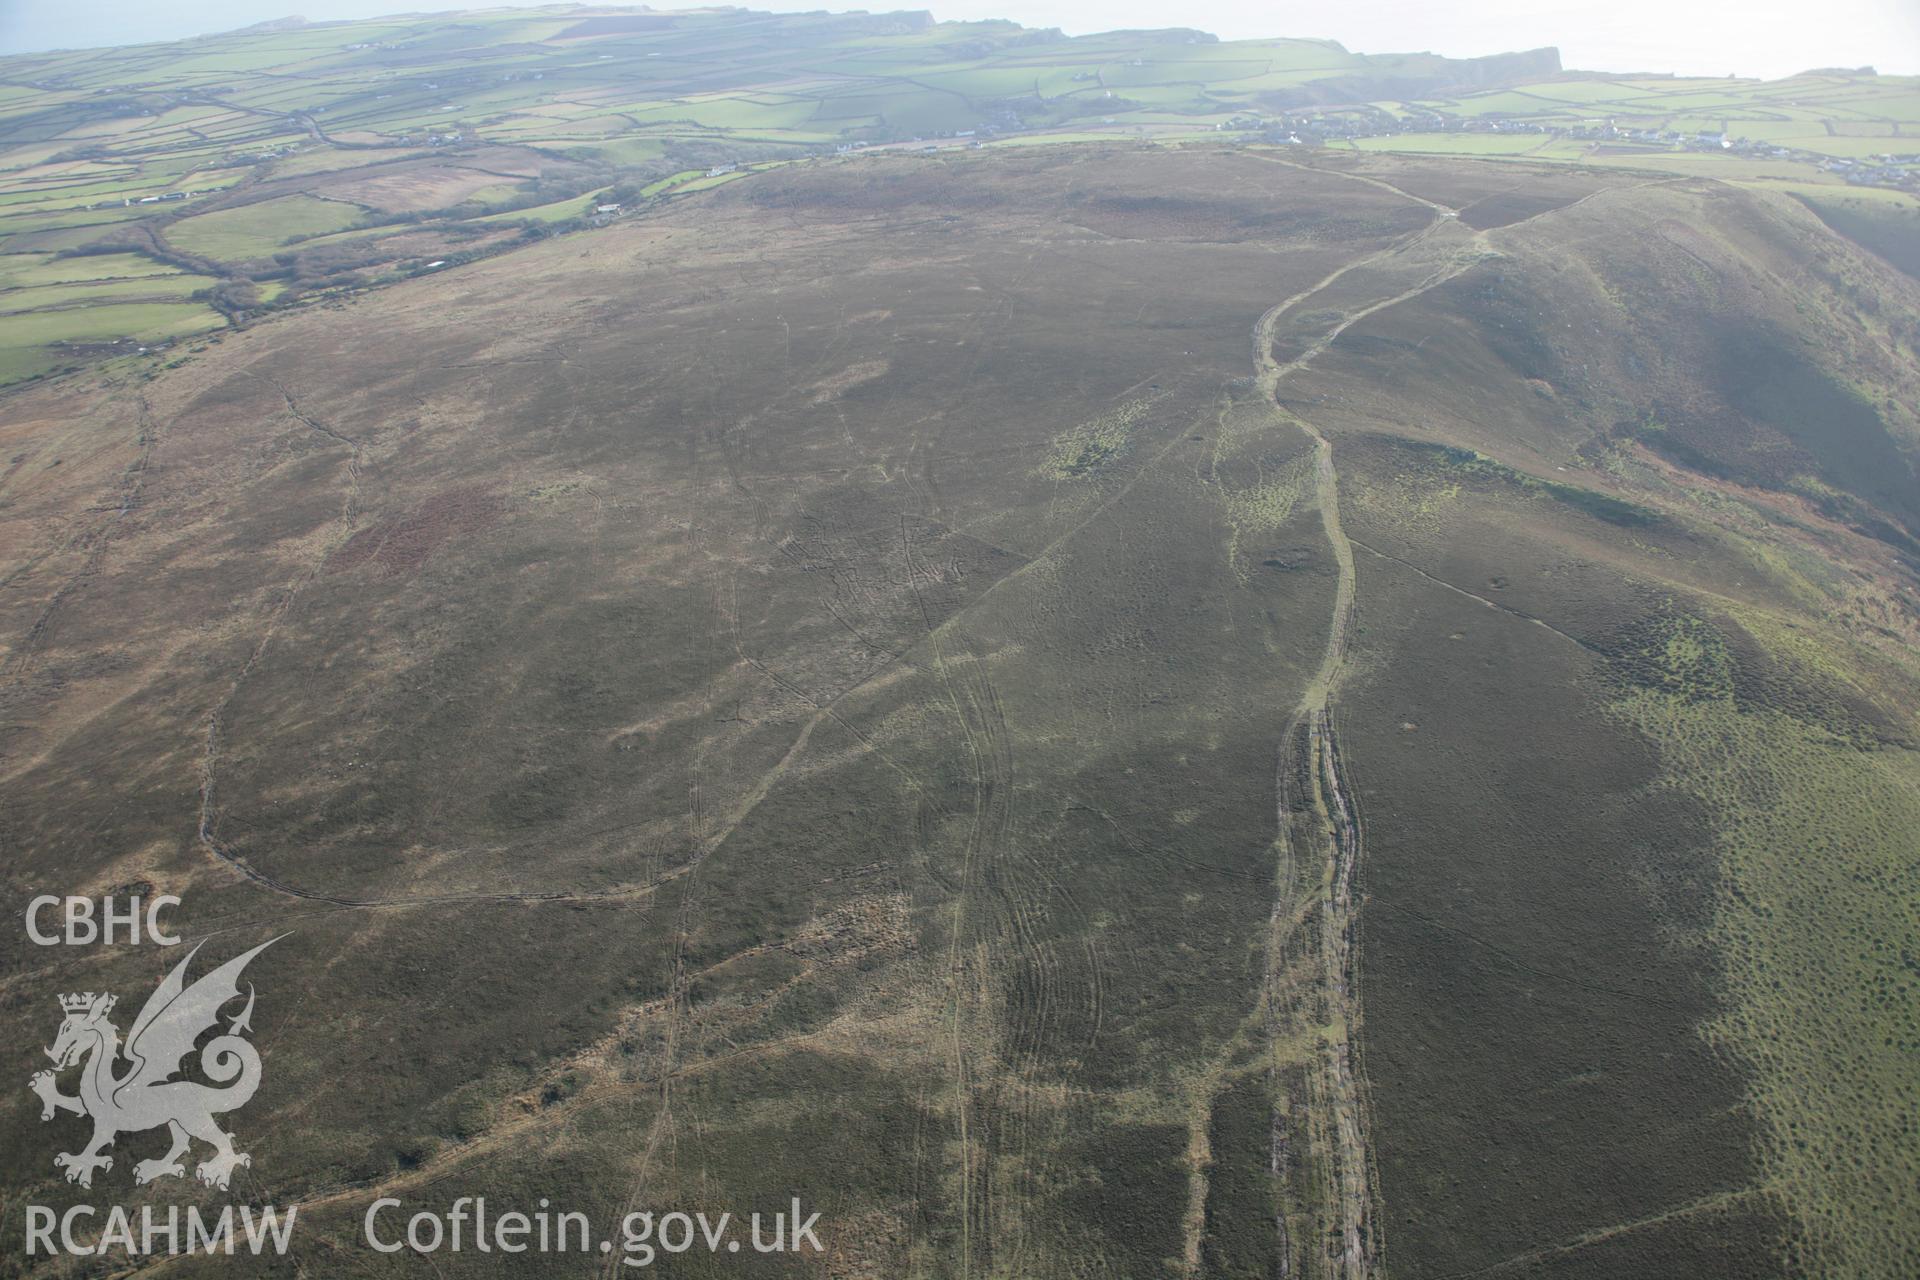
1703 37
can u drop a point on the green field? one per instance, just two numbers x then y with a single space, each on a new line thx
26 270
558 211
37 342
256 230
106 322
89 293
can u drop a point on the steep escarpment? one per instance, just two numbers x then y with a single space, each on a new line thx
1637 492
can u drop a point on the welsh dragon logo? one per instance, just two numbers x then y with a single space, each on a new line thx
144 1095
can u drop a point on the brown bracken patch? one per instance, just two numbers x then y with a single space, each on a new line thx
404 543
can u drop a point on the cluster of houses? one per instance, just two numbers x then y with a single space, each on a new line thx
1901 171
931 142
130 201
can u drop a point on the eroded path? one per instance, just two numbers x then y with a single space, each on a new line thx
1323 853
1349 1204
1328 1018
